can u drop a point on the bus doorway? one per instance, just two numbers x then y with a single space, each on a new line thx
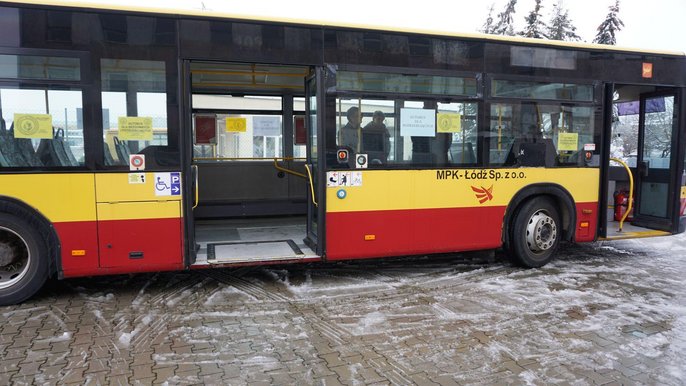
645 137
249 149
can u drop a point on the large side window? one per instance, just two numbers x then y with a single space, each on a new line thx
40 125
435 128
552 124
134 108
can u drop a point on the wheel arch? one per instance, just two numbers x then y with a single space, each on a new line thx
563 201
35 217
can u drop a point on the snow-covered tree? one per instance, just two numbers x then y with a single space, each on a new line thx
505 24
535 27
489 27
608 29
560 26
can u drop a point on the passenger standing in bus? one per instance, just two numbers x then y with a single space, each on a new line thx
349 136
376 140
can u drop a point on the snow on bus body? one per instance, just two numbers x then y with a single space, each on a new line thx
408 212
103 221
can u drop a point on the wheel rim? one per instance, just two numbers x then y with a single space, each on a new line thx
541 232
12 273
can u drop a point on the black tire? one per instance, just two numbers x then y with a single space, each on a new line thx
535 233
27 270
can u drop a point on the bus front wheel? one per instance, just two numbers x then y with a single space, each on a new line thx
536 233
23 260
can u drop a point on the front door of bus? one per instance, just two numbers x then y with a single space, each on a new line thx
657 149
314 163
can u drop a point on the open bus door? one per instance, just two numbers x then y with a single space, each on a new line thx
315 162
657 183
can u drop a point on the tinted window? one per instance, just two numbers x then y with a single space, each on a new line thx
134 108
41 127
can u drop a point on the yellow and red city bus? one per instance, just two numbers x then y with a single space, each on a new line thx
138 140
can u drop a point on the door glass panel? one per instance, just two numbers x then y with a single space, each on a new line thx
313 218
659 121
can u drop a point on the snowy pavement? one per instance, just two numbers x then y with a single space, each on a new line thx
612 312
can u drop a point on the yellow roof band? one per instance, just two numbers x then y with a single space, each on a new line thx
224 15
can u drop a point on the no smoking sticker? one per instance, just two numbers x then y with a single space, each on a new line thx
137 162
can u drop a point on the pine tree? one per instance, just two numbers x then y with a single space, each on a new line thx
535 28
505 24
489 27
608 29
560 27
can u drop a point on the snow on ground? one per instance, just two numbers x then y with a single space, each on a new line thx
607 309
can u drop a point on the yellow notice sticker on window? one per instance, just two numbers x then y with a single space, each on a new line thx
32 126
568 142
236 125
135 128
448 123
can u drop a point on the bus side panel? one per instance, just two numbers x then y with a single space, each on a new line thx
68 202
377 213
139 221
354 235
586 221
79 242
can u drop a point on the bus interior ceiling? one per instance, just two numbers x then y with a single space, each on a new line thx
252 201
625 146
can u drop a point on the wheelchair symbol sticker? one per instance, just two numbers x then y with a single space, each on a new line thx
167 184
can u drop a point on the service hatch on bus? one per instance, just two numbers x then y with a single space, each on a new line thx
139 140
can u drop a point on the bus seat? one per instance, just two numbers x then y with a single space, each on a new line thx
122 151
64 149
532 152
25 147
160 156
11 154
3 161
109 160
458 156
50 153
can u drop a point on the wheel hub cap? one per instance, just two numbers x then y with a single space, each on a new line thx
15 258
541 232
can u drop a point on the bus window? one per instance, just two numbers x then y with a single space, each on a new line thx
367 126
237 134
41 127
425 133
557 133
134 108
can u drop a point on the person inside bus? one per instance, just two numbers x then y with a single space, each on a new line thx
376 141
349 135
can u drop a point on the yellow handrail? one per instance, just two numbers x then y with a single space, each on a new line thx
631 191
197 187
309 173
276 165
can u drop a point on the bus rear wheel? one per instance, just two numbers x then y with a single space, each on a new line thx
536 233
23 260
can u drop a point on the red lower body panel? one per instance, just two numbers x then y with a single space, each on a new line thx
357 235
121 246
79 236
586 221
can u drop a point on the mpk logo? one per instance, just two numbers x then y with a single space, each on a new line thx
483 194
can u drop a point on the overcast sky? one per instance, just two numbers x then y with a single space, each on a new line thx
654 24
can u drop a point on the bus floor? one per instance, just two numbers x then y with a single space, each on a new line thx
629 232
243 240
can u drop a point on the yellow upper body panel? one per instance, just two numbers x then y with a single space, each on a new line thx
72 197
59 197
452 188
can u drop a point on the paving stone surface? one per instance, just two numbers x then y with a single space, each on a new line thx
603 313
